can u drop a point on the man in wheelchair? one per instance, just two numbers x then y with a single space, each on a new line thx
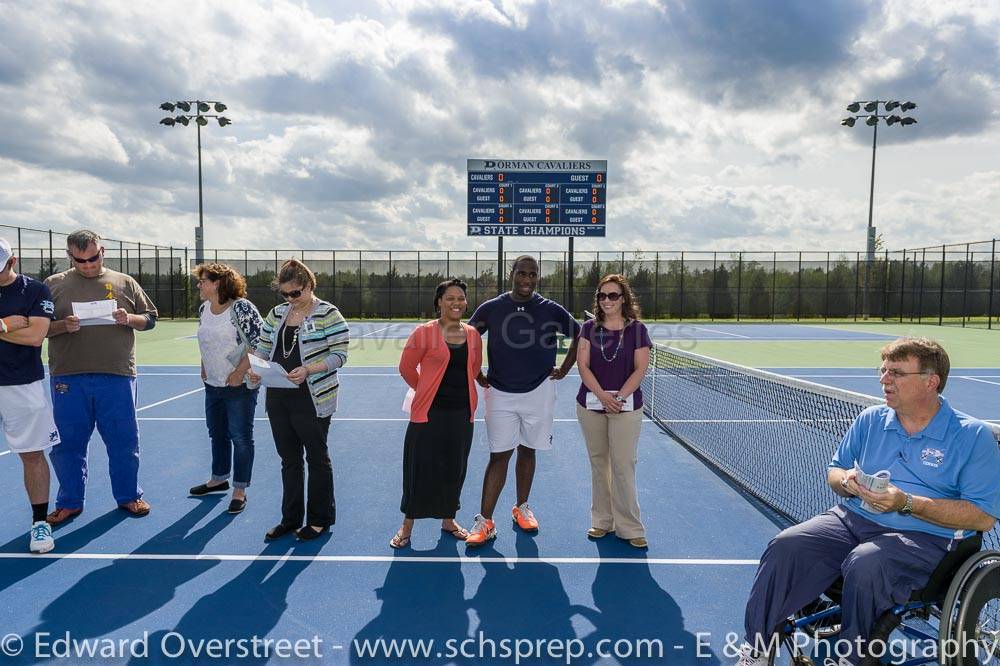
944 469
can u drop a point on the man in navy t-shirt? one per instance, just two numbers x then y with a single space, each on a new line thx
522 336
25 411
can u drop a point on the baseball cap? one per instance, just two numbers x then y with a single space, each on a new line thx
5 253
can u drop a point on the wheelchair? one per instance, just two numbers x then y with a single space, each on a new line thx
954 620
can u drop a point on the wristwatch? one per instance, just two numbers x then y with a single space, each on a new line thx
908 507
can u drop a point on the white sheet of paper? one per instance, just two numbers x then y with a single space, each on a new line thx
271 375
95 313
595 404
877 482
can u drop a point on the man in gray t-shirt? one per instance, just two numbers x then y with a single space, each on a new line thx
92 376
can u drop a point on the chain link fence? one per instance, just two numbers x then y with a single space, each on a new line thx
950 284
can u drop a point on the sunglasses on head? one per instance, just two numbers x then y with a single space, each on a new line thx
295 293
611 296
88 260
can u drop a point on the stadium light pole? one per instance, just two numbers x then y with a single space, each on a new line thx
200 117
872 118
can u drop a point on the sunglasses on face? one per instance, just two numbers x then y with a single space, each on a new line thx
610 295
295 293
88 260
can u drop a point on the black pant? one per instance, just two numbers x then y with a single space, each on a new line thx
296 428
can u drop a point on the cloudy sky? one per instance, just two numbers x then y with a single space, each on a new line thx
352 121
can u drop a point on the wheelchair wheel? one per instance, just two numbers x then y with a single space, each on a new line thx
820 629
977 625
958 592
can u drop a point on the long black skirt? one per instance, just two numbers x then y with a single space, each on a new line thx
435 458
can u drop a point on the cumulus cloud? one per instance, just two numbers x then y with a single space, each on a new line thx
352 123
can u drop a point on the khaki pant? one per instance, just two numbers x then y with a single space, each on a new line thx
612 442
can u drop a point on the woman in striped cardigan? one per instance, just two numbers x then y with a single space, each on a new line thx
307 337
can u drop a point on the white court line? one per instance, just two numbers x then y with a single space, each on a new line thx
176 397
712 330
378 330
977 379
156 557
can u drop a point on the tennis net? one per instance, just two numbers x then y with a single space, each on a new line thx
770 434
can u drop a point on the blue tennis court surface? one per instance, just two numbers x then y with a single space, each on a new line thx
190 573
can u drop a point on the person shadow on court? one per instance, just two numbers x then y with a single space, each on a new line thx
250 604
631 605
520 600
15 570
420 601
128 590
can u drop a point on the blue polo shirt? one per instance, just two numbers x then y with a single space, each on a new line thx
522 339
954 457
22 364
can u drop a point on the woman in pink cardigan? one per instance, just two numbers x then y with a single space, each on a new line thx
440 363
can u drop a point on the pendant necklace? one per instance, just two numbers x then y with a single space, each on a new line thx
600 333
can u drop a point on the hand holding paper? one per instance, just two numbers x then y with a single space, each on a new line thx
271 375
876 483
95 313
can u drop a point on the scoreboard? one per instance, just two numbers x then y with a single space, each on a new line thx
537 197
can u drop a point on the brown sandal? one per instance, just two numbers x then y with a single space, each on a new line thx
399 540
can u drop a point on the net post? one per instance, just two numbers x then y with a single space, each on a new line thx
388 282
652 388
52 262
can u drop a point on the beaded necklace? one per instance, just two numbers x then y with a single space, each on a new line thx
600 333
287 351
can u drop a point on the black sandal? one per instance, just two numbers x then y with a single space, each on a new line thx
278 531
308 533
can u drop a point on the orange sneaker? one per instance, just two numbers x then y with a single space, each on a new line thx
524 518
482 531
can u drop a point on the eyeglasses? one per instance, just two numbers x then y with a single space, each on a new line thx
899 374
88 260
295 293
611 296
201 281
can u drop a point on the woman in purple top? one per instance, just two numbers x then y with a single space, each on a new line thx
612 355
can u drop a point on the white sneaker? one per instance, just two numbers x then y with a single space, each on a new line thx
750 657
41 540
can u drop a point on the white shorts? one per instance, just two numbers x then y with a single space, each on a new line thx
520 418
26 412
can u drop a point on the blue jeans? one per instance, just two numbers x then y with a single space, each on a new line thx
78 403
229 415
